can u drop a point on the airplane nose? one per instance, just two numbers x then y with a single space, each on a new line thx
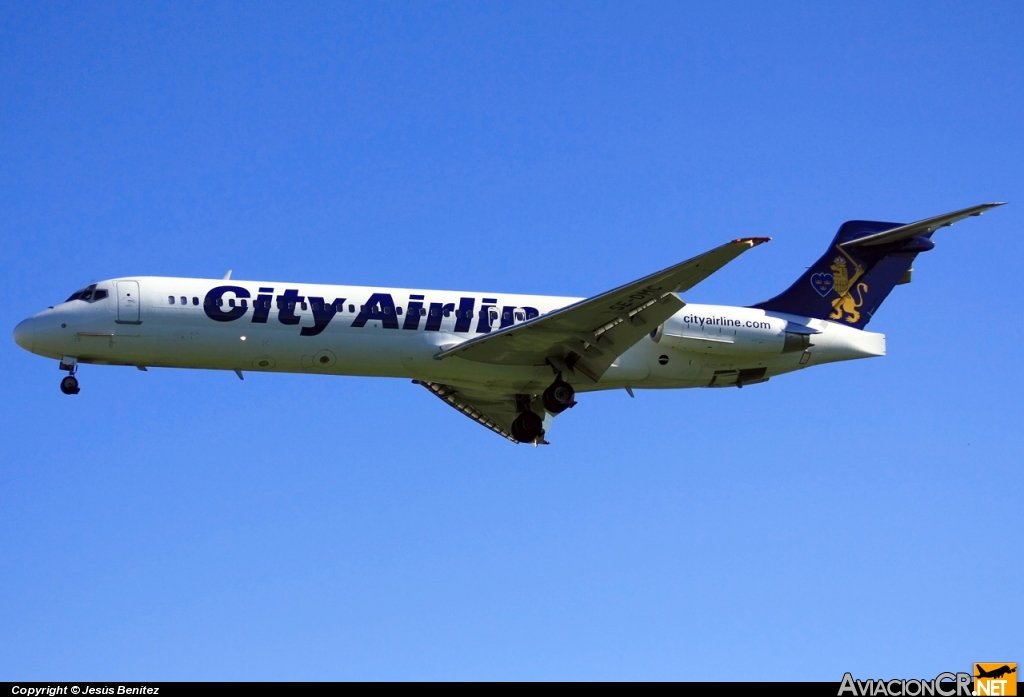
23 335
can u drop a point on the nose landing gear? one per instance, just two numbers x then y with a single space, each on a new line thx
69 385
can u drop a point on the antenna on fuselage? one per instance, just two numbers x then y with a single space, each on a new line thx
227 276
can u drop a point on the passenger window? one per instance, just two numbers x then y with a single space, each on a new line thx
184 300
291 306
387 310
231 302
520 316
195 301
245 304
303 305
423 312
351 309
170 299
398 310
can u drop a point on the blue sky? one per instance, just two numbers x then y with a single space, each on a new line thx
186 525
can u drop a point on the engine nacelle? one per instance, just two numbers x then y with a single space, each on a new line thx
725 331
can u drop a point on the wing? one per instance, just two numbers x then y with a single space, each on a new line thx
586 337
921 227
494 410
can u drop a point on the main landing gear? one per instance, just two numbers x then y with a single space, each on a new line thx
69 385
527 427
559 397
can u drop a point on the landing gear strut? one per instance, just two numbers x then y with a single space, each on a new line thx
559 397
527 427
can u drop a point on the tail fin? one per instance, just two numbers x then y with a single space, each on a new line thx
865 261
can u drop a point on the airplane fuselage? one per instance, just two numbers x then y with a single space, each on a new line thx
391 332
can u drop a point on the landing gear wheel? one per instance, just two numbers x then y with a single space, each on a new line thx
527 427
559 397
69 385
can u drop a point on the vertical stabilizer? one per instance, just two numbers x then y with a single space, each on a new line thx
865 261
848 285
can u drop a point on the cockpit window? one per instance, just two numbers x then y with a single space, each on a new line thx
88 294
84 294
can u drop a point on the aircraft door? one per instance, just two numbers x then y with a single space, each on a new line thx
128 302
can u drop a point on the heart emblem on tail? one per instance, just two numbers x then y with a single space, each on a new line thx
822 282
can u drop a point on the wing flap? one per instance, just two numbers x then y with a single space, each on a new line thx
593 360
592 333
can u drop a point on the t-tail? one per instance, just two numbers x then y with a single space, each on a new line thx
865 261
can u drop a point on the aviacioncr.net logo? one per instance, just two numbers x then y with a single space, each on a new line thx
942 685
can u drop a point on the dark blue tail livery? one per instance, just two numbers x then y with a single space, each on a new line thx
865 261
848 283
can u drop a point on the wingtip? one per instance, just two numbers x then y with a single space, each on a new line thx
985 207
752 241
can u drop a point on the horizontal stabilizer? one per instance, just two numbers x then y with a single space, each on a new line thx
921 227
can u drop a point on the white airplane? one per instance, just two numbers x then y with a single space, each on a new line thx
510 362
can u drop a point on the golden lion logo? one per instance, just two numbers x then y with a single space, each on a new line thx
844 307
